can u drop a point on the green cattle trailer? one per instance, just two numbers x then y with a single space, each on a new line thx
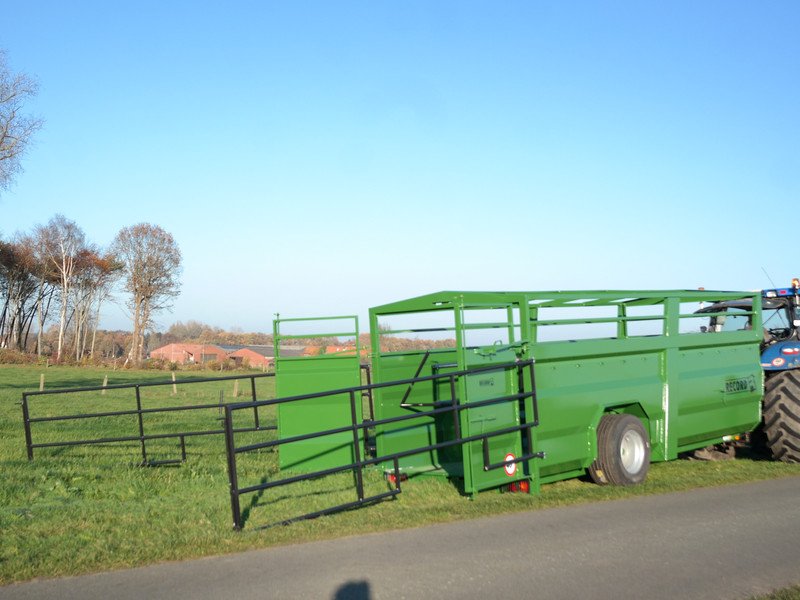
622 378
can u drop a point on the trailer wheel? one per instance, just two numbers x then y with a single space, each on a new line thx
782 416
623 451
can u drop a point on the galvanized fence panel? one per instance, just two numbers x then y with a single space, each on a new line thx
138 410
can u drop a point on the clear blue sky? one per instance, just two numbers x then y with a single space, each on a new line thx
318 158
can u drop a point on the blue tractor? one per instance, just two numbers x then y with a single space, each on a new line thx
780 359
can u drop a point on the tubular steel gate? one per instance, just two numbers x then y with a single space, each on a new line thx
390 462
140 435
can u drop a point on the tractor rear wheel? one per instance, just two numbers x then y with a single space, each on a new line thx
782 415
623 451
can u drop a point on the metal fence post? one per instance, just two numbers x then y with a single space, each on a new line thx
368 372
253 394
27 419
456 413
141 424
356 449
233 479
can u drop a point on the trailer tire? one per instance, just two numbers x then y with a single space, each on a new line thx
623 451
782 416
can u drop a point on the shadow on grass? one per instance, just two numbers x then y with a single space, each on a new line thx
754 449
257 501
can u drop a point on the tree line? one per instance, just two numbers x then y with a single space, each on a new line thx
54 275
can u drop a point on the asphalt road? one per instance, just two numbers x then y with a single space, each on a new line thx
728 543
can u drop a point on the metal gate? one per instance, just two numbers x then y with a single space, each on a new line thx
510 430
500 413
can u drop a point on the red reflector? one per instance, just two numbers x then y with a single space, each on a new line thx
392 478
519 486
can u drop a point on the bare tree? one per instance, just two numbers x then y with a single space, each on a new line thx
17 288
94 277
83 297
48 279
27 287
62 242
16 128
108 270
152 267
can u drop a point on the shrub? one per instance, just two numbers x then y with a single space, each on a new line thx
158 364
14 357
214 365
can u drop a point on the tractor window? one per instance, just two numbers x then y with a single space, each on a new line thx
775 319
735 320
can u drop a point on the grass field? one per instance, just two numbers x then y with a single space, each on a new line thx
88 508
792 593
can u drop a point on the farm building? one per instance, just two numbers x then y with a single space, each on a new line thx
257 356
190 353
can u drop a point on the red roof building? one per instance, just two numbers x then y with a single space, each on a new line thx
255 356
186 354
251 357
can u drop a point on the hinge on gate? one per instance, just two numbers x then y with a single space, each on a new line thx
520 348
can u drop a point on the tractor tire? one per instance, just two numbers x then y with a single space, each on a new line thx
623 451
782 416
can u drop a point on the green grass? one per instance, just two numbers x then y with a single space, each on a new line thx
791 593
89 508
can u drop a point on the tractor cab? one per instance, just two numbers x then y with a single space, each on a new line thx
732 315
780 312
